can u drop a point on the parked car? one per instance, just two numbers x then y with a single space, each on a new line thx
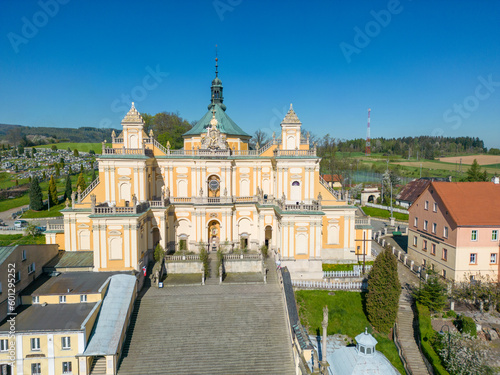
18 224
41 229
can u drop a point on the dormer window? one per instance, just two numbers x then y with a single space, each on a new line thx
365 343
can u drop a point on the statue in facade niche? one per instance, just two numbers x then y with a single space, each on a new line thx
201 192
320 197
225 192
73 198
134 200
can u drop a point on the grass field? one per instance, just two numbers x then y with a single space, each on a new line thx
346 316
19 239
384 214
54 211
84 147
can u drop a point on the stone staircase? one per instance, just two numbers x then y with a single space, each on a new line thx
98 366
407 324
211 329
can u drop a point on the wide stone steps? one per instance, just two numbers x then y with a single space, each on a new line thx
211 329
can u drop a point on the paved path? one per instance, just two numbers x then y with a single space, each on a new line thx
211 329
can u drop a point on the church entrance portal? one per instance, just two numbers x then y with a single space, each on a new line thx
268 236
213 235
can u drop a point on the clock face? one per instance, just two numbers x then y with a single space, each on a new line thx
213 185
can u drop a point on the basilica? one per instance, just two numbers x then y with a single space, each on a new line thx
216 192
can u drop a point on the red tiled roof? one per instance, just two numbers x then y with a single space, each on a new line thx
470 203
328 178
412 190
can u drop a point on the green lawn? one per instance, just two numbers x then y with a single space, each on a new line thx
343 267
19 239
346 316
378 212
54 211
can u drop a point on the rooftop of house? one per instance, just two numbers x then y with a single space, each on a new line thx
5 251
52 317
412 190
68 283
470 203
332 178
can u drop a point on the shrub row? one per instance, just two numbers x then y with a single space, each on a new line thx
427 337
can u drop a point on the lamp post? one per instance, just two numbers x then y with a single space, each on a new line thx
449 340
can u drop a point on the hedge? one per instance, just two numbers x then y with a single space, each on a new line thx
427 336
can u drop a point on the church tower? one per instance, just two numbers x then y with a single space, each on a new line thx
133 129
290 131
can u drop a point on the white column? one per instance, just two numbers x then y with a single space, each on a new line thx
142 190
133 245
203 225
285 248
254 187
128 247
233 181
136 182
286 183
97 248
104 247
307 192
311 183
203 184
73 235
67 234
222 180
319 244
171 178
107 184
291 240
312 229
113 185
194 180
279 192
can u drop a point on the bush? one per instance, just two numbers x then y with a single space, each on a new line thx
428 338
205 260
264 251
450 314
466 325
159 253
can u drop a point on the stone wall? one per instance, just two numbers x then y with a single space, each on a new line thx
243 265
186 266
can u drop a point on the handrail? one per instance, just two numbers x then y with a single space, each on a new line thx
335 193
91 187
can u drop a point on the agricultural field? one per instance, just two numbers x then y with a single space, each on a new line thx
468 159
84 147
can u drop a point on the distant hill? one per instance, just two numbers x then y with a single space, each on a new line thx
40 135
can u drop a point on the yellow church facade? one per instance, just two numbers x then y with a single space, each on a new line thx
214 193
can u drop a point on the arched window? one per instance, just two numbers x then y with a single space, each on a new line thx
301 246
295 193
115 248
84 239
244 188
182 188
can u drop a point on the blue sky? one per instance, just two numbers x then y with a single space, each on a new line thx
423 67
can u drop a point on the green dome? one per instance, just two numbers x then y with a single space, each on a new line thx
225 124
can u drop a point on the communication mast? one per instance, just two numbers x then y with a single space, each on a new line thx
367 149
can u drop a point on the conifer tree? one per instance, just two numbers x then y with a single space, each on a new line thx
382 300
80 183
93 175
68 189
58 170
44 176
36 201
53 192
474 173
432 294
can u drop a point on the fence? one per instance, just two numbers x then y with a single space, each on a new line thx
357 272
401 211
352 285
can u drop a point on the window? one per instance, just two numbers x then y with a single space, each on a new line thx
434 227
0 287
24 255
62 299
473 258
445 232
444 274
83 298
67 368
426 205
445 254
66 342
18 276
473 236
426 223
435 207
35 344
415 241
424 245
4 345
433 249
35 299
36 369
415 222
494 235
493 258
31 268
